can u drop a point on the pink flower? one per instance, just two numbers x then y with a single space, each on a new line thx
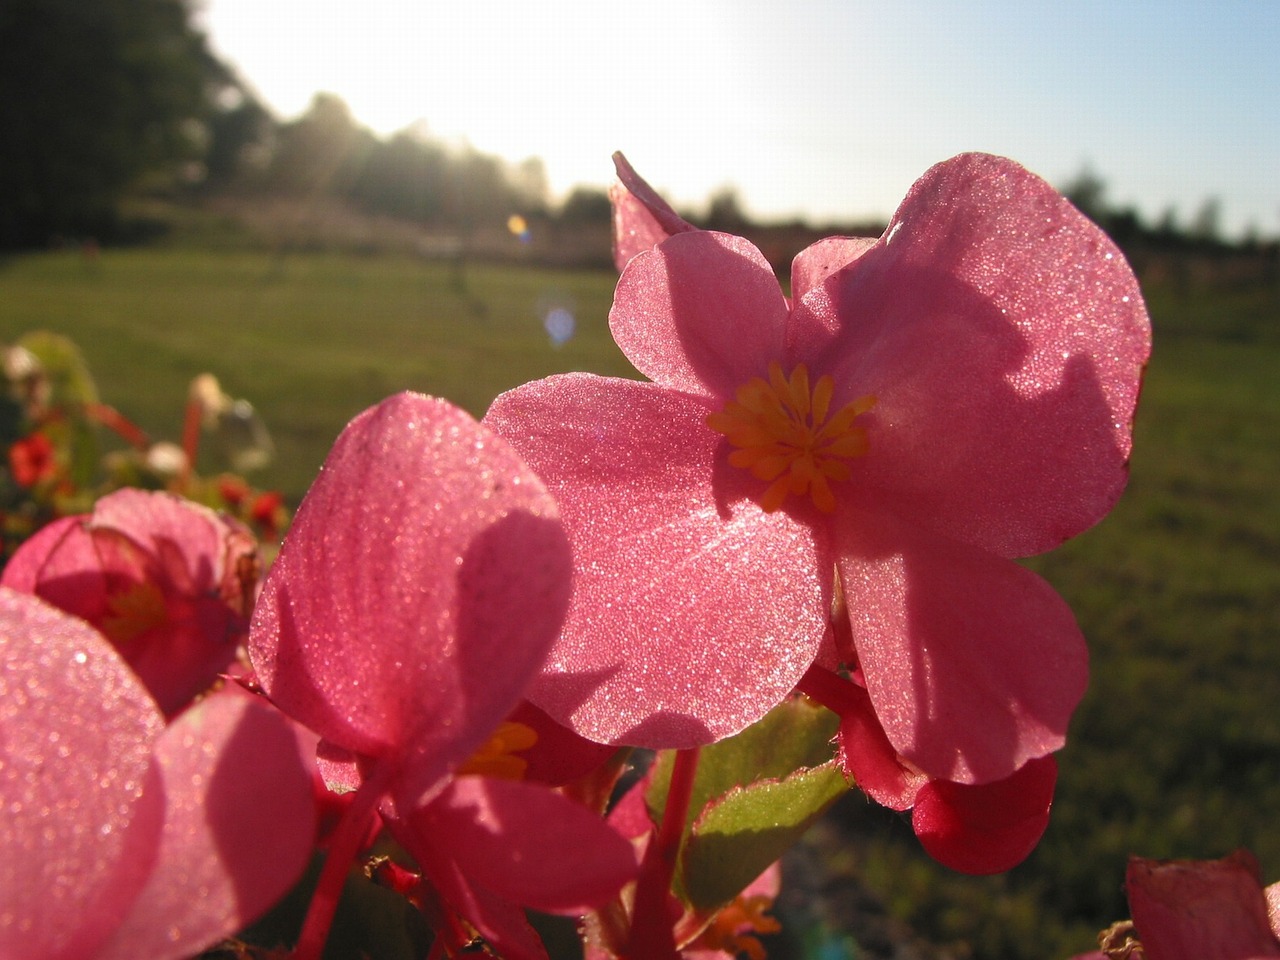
1202 910
922 410
974 828
169 582
121 837
424 578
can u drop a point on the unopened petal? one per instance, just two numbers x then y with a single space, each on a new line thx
702 313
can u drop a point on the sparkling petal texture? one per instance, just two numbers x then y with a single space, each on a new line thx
974 664
188 629
82 801
526 844
667 643
641 218
687 334
999 340
987 828
1200 910
421 585
238 831
1004 336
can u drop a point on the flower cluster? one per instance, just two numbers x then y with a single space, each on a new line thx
606 654
51 422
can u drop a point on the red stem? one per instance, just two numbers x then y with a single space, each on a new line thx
651 933
829 689
344 844
113 419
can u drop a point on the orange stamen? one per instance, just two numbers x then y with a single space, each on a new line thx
496 758
784 436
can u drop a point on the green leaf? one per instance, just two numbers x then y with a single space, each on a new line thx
795 734
70 382
740 835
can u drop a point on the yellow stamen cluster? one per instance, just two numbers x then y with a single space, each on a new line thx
783 434
133 611
496 758
733 929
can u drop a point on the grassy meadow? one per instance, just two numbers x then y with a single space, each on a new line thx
1176 749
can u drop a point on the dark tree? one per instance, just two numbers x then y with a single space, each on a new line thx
93 95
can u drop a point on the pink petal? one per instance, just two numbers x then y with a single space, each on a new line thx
1200 910
702 313
60 564
527 844
987 828
693 612
503 924
641 218
82 801
867 756
818 261
973 663
422 582
183 539
239 826
1004 337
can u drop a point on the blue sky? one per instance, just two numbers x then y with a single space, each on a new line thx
824 108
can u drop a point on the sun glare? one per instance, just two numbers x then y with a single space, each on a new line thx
561 81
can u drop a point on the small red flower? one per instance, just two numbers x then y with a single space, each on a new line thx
32 460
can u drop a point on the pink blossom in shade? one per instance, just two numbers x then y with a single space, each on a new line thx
424 578
1201 910
489 848
121 837
973 828
169 582
416 594
984 359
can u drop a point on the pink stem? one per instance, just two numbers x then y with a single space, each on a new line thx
651 926
344 844
829 689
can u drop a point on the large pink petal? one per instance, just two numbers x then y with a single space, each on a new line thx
1200 910
693 612
83 805
973 663
641 218
239 826
422 582
527 844
702 313
1004 338
988 828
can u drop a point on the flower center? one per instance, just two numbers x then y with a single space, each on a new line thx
133 611
783 434
497 756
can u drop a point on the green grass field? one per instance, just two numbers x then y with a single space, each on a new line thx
1176 749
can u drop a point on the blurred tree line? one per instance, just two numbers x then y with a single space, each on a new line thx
106 99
